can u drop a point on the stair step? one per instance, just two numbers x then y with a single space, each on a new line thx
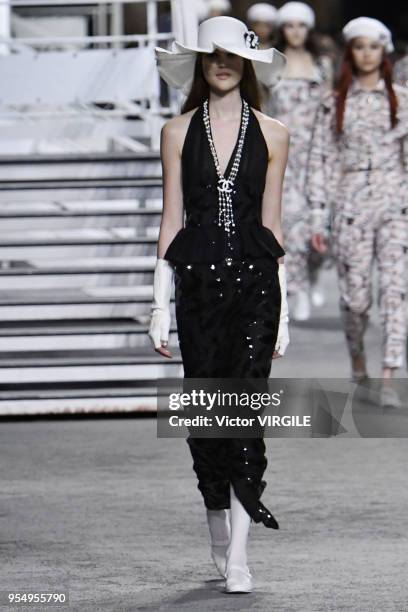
11 329
77 390
69 345
51 312
91 265
94 373
80 236
46 336
90 295
109 357
83 183
84 208
77 251
20 225
65 407
71 193
78 342
58 159
60 166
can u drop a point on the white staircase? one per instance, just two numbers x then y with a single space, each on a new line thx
78 241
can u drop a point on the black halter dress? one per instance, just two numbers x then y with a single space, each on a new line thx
228 300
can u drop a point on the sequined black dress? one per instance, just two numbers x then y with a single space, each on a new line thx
227 304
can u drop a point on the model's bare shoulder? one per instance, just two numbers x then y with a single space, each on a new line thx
276 133
175 129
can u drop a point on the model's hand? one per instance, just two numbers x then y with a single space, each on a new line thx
283 331
319 243
282 341
159 331
160 321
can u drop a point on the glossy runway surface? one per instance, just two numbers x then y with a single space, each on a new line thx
112 513
107 510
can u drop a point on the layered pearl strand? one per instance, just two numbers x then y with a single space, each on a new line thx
226 185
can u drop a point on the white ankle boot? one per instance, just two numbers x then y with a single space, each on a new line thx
318 295
238 580
301 307
389 397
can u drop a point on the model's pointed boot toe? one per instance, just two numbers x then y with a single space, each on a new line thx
238 580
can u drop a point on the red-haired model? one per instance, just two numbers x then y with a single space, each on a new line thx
357 167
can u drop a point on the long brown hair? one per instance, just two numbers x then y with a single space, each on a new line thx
347 72
200 90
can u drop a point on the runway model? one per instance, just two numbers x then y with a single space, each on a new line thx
306 78
401 71
223 163
357 181
261 18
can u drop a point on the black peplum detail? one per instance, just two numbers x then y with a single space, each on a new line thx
208 244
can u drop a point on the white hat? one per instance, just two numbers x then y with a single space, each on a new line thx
372 28
296 11
176 67
214 5
262 11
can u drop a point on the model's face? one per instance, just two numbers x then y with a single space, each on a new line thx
222 70
295 33
367 54
263 30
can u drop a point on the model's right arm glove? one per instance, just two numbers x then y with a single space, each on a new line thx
283 331
160 311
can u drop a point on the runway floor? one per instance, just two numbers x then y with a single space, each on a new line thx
109 512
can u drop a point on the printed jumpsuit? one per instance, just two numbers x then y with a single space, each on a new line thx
227 301
401 71
357 191
294 102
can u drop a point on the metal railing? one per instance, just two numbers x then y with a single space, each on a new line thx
151 111
115 8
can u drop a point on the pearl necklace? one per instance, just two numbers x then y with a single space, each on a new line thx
225 185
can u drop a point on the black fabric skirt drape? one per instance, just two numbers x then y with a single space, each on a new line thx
227 319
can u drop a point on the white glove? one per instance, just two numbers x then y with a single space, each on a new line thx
283 331
160 317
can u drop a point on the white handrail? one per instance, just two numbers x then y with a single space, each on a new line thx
87 39
83 111
35 3
149 111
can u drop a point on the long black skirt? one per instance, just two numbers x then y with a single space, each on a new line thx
227 320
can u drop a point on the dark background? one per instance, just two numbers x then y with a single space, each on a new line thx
333 14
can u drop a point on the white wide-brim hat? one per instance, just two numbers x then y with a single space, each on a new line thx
262 11
176 67
296 11
371 28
